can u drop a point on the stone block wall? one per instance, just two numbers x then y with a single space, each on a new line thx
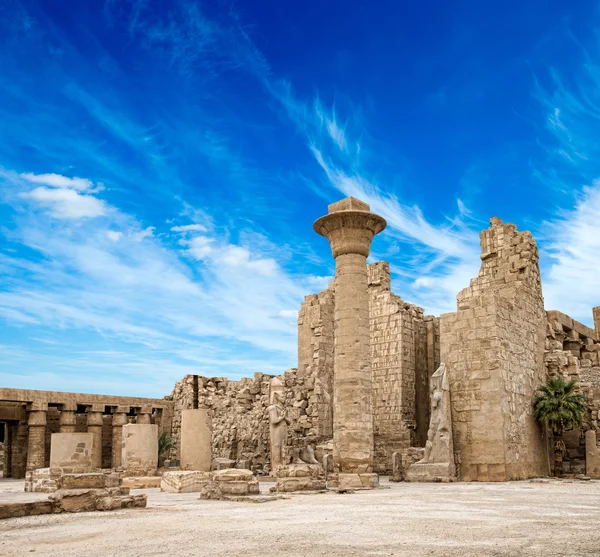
239 413
573 351
493 347
400 368
315 357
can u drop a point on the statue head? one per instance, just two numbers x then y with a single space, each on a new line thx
276 391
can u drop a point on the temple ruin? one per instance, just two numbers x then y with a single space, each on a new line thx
379 386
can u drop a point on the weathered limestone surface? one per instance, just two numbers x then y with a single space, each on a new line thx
592 462
230 482
493 347
240 415
596 313
140 449
19 509
182 481
349 227
72 452
315 363
437 464
300 477
196 440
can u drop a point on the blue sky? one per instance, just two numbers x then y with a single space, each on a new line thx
161 164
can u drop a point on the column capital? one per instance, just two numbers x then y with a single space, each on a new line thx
36 418
37 407
349 226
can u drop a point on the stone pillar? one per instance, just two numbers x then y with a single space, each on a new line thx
140 449
350 226
196 440
592 455
94 426
596 312
36 437
144 416
67 418
119 420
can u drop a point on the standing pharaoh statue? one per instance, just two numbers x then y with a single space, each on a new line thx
278 423
438 462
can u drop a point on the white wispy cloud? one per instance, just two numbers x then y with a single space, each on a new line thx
189 228
64 197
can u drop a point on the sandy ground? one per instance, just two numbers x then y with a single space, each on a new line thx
463 519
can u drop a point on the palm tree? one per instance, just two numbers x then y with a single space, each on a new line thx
165 443
559 406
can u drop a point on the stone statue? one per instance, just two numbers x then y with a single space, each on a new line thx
278 423
438 462
439 435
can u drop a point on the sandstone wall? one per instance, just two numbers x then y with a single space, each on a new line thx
573 351
239 413
400 367
493 347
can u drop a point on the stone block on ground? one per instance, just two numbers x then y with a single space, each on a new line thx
230 482
350 481
92 480
42 480
222 463
232 475
183 481
20 509
300 477
291 484
431 472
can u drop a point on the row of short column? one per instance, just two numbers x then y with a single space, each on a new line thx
36 437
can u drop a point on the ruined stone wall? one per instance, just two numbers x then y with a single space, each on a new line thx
315 358
239 414
573 351
400 369
493 347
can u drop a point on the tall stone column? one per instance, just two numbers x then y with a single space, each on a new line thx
350 226
36 437
94 426
119 420
596 312
67 418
